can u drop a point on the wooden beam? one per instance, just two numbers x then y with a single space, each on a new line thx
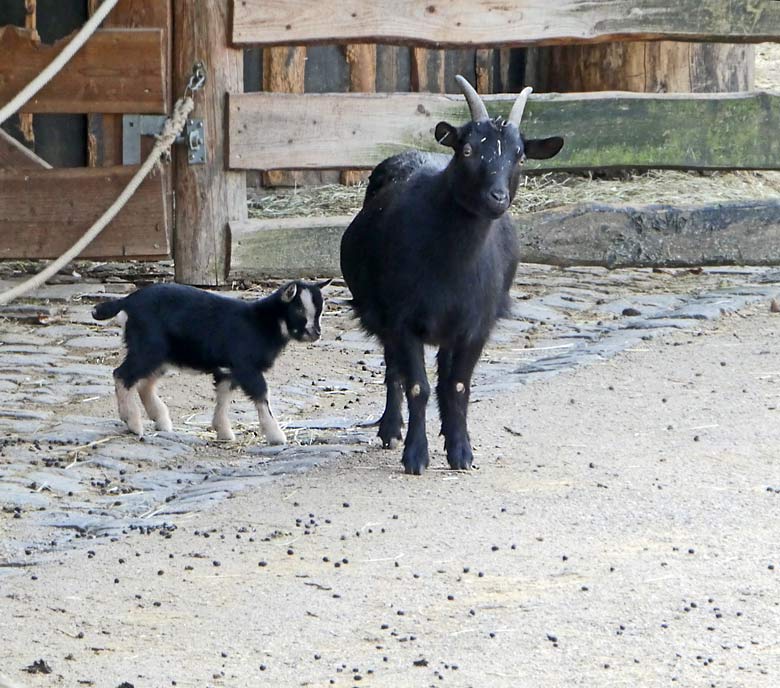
116 71
602 130
510 23
45 211
207 196
743 233
15 156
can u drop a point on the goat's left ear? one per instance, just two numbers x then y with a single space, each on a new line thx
289 292
446 134
541 149
323 284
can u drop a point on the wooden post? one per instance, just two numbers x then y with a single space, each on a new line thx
648 67
31 24
361 60
207 196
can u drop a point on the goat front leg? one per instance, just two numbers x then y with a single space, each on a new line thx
412 367
254 385
391 422
453 390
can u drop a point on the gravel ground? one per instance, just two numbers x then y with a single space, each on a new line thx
621 529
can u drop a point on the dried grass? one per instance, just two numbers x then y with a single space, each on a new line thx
548 191
555 189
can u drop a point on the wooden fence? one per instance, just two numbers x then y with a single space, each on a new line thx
604 130
142 57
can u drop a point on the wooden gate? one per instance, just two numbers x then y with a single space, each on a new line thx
123 69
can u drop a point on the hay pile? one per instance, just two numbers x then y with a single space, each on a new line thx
547 191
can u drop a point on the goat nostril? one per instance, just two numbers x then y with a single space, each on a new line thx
499 195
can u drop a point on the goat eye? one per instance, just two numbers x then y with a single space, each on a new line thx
467 150
521 160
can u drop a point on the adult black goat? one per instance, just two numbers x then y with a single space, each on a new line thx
430 259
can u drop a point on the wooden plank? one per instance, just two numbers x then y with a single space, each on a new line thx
207 196
361 59
509 23
736 233
116 71
45 211
602 130
15 156
105 130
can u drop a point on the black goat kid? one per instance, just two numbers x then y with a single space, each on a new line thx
430 259
234 341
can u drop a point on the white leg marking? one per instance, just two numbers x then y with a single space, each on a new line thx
220 421
415 391
268 425
460 387
155 407
129 410
284 329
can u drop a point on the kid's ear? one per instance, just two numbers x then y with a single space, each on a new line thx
289 292
323 284
446 134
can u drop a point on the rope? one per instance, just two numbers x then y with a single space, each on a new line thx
58 62
173 126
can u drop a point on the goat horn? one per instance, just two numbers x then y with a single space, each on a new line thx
516 113
478 110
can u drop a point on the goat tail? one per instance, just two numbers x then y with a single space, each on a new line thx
107 309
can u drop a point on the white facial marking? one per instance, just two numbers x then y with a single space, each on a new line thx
499 148
308 307
460 387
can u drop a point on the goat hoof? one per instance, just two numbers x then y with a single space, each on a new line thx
136 427
391 442
274 438
415 460
459 456
227 435
163 426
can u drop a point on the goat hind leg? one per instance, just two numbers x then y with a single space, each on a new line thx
220 421
391 422
128 407
155 407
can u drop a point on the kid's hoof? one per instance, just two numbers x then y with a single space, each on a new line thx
276 438
136 427
164 425
226 435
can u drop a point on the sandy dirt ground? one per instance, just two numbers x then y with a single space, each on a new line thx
621 530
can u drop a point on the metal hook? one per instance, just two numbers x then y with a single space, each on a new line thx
197 79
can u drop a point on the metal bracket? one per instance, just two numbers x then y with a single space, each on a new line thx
136 126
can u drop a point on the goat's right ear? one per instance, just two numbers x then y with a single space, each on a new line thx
446 134
289 292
